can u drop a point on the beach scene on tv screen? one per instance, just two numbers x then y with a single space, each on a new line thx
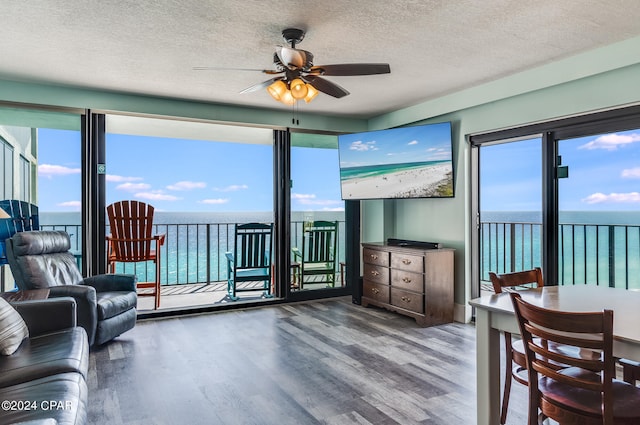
409 162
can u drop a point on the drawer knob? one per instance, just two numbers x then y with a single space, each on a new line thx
406 279
375 272
375 291
406 261
406 299
373 256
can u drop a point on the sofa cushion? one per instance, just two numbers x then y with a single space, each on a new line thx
111 304
61 397
46 355
13 329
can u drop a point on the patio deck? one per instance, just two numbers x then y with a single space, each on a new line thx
195 294
198 294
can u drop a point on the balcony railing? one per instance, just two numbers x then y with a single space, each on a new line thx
599 254
192 253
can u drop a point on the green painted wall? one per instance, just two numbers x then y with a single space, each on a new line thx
448 220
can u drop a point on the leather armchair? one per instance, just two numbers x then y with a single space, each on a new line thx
106 304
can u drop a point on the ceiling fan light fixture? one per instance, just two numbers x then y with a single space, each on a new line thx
277 90
287 98
299 89
311 93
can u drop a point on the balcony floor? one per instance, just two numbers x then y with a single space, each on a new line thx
175 297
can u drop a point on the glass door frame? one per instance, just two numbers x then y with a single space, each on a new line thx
552 131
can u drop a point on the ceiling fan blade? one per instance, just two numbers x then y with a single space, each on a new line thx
346 69
216 68
260 86
326 86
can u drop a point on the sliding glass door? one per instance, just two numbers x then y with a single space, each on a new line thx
203 180
317 217
599 210
584 171
40 164
510 217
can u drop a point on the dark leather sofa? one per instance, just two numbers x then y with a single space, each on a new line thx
106 303
44 381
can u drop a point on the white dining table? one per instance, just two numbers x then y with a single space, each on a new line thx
494 313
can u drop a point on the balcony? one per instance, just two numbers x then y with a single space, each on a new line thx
194 267
594 254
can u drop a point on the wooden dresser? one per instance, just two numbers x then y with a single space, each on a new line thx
412 281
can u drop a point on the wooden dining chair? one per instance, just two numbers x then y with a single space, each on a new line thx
630 370
132 241
563 385
515 361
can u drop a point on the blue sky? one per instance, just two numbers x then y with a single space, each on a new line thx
604 174
186 175
400 145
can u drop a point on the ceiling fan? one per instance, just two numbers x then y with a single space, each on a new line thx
299 79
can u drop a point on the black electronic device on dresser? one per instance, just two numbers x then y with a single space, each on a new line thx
414 281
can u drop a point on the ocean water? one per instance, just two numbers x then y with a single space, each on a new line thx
196 242
595 247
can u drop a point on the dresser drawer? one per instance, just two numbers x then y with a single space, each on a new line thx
376 274
407 280
372 256
375 291
408 300
411 263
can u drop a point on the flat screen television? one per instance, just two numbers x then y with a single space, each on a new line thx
404 162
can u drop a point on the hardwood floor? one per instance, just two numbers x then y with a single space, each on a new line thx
324 362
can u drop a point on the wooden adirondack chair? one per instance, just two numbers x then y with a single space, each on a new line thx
131 240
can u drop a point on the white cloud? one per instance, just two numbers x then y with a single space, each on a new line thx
310 199
133 187
156 196
187 185
214 201
231 188
599 198
322 202
359 145
72 204
413 142
303 196
117 179
611 142
631 173
50 170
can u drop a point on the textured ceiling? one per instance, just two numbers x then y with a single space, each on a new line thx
434 47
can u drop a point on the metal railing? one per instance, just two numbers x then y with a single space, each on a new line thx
598 254
192 253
